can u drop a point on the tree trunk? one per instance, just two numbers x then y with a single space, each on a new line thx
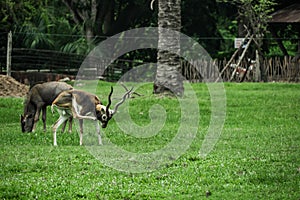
168 78
263 74
257 68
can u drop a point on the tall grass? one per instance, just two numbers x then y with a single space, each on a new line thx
256 157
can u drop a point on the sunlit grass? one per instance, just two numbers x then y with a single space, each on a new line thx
256 156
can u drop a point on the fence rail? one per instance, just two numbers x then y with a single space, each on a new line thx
37 60
43 60
276 69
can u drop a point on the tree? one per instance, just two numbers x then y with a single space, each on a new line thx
95 20
253 18
106 17
38 25
14 13
168 79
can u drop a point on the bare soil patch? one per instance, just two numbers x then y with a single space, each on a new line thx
9 87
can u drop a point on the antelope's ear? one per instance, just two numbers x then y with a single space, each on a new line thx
21 117
97 101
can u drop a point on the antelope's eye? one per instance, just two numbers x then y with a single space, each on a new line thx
104 117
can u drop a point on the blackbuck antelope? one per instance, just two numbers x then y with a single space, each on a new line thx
83 105
38 98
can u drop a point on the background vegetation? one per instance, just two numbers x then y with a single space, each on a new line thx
256 157
76 26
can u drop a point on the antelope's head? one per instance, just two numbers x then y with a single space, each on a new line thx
27 122
27 119
104 113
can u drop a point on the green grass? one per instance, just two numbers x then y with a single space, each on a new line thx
256 157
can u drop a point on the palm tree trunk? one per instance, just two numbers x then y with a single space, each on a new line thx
168 79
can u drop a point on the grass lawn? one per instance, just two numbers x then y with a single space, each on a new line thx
256 157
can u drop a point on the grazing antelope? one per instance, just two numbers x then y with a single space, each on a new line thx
38 98
83 105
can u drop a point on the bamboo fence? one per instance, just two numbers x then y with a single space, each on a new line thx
276 69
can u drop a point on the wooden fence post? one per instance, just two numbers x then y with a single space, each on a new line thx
8 56
257 67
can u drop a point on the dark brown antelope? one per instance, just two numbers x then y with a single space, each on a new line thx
83 105
38 98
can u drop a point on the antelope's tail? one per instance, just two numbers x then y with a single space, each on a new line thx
52 108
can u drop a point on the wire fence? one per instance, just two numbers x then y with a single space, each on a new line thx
38 61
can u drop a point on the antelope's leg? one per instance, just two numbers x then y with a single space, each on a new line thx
44 110
78 116
81 131
70 124
36 117
64 126
98 131
56 125
70 119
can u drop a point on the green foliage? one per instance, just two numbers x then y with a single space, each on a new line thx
254 13
16 12
228 33
289 36
275 51
41 25
79 46
256 157
52 25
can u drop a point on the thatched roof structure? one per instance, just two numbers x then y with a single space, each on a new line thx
281 18
290 14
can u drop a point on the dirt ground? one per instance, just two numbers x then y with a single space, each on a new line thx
9 87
